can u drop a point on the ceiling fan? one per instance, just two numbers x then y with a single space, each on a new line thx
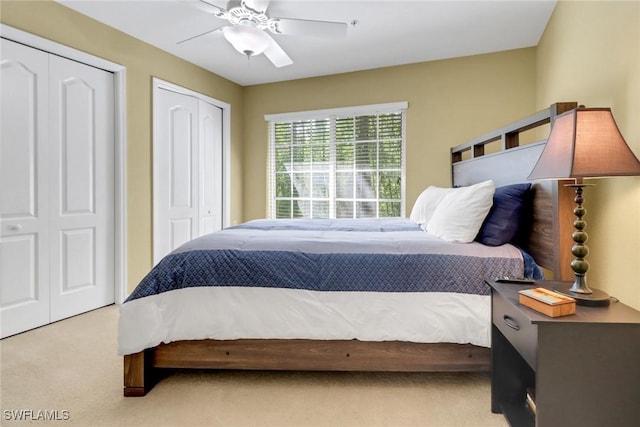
248 25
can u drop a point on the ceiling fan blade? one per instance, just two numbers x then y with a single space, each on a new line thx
276 54
258 6
210 6
303 27
200 35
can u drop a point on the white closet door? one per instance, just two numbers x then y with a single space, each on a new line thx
210 121
175 171
81 116
57 216
24 189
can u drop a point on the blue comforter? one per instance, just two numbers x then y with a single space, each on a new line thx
379 255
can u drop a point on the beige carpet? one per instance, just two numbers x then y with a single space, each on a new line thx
72 367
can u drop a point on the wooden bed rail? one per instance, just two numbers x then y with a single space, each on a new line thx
142 370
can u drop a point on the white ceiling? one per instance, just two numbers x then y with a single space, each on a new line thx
387 33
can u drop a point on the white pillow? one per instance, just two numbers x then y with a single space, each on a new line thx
460 214
426 204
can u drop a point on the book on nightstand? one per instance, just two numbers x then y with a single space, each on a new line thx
547 302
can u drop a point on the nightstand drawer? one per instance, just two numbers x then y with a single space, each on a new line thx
517 329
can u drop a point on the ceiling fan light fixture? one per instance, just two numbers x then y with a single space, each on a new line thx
250 28
247 39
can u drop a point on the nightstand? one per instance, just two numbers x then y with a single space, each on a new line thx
584 369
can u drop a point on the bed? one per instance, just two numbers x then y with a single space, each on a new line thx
343 295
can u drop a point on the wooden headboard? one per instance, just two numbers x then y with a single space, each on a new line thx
549 240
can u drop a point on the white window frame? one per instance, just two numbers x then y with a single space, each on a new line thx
332 114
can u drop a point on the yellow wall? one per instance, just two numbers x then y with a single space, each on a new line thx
450 102
590 52
60 24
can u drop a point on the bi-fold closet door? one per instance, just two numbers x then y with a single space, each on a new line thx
188 175
56 188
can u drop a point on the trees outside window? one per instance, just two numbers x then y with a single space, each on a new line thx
338 164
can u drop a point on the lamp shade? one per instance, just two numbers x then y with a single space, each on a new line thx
247 39
585 143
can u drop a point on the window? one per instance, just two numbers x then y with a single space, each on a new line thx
341 163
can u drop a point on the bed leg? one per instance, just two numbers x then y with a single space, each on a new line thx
139 375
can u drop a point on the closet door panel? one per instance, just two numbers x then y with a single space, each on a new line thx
181 184
24 213
77 126
175 170
210 122
82 187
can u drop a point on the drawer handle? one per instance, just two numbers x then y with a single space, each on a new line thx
510 322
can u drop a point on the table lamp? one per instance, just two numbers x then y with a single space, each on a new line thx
584 143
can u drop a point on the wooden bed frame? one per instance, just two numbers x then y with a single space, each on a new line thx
552 205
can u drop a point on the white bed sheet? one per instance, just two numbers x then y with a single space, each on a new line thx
228 313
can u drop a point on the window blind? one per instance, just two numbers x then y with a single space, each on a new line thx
337 163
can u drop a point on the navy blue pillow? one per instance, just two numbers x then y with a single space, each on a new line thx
503 220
